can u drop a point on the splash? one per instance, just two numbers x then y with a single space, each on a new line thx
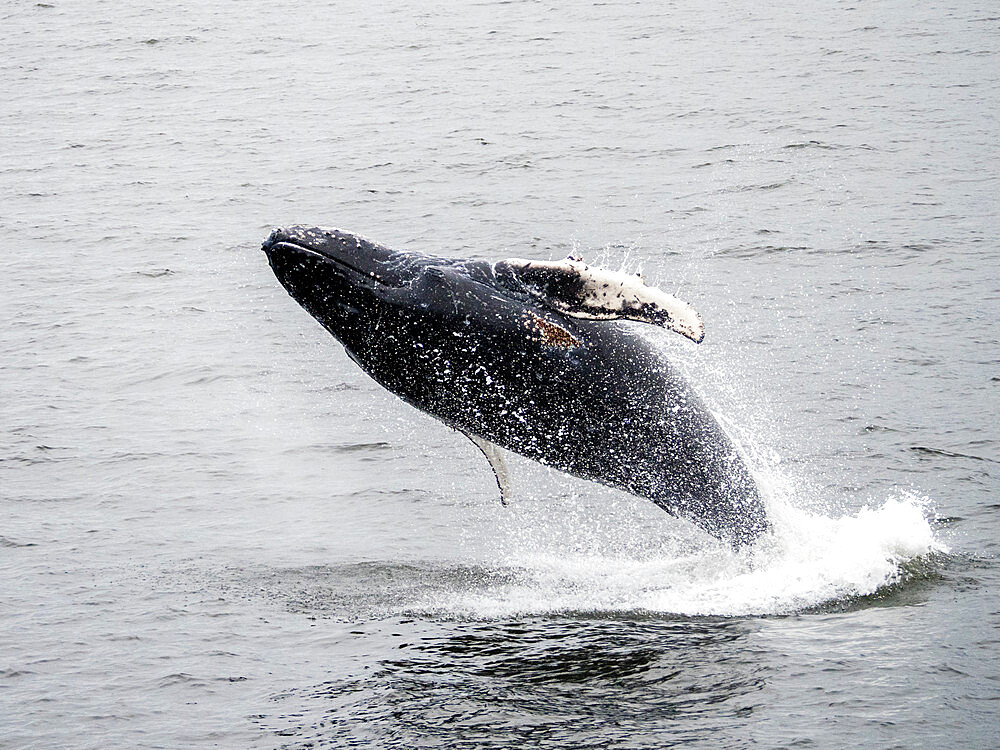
807 561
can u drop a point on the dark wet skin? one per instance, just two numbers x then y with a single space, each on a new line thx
587 397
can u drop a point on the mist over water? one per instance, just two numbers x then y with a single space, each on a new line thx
216 531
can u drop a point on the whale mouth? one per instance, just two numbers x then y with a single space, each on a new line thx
360 260
338 263
281 240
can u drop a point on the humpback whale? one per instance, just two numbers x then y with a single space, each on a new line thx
529 356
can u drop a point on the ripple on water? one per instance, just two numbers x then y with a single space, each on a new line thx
497 684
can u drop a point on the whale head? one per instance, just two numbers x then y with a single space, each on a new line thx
343 280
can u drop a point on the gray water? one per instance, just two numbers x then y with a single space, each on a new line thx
215 531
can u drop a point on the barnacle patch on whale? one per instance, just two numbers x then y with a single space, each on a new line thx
549 333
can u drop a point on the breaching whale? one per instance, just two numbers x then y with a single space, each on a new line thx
527 356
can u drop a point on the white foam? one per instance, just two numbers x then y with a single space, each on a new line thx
807 561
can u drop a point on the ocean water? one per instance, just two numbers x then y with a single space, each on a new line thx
215 531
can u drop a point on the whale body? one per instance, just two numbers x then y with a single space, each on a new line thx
529 356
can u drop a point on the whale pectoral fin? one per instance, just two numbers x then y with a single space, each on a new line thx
499 466
581 291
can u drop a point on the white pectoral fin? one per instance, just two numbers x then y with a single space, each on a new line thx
582 291
499 466
651 305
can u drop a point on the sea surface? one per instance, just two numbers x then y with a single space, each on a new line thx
216 531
